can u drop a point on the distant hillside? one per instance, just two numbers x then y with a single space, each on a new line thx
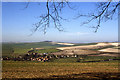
21 48
34 45
12 49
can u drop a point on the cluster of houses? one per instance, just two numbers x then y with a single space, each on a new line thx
42 57
29 57
45 57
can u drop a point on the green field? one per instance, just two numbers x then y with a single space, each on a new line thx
7 50
62 68
84 58
34 45
49 50
15 49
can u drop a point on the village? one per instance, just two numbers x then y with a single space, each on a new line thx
49 57
42 57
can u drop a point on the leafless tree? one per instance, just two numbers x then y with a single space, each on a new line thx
105 11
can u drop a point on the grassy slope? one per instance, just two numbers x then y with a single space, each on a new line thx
87 58
49 50
36 45
28 69
22 48
7 50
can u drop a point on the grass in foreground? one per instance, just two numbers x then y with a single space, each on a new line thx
58 69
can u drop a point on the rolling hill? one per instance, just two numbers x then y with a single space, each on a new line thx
22 48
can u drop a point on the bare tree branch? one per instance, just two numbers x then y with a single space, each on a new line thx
105 11
53 15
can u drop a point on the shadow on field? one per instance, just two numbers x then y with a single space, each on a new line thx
82 76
